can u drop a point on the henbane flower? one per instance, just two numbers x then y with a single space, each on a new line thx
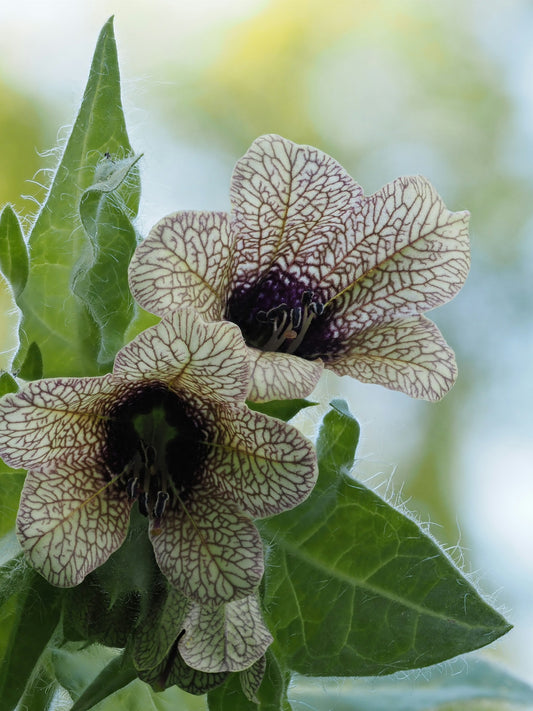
168 429
315 273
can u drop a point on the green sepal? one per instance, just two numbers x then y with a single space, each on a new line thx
13 251
282 409
32 365
113 600
355 588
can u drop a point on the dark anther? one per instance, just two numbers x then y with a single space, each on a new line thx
132 488
296 317
274 313
160 504
307 298
143 503
317 308
261 316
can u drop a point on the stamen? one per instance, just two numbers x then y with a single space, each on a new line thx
160 504
143 503
289 325
132 488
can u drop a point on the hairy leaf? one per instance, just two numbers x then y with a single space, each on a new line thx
62 324
33 614
355 588
13 250
466 683
102 282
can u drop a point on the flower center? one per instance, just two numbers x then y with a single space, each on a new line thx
276 313
154 446
289 325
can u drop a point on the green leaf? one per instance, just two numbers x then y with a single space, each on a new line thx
355 588
271 696
115 675
467 682
90 673
62 324
8 384
33 614
13 250
32 365
102 283
76 666
282 409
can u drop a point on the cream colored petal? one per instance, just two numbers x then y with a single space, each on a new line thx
174 671
209 550
280 376
410 254
70 520
409 355
263 464
154 639
48 419
188 353
252 678
184 261
230 638
290 203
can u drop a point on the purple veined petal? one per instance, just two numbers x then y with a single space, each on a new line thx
410 254
280 376
209 550
187 353
154 640
184 261
229 638
251 679
70 520
49 419
174 671
266 466
286 199
409 355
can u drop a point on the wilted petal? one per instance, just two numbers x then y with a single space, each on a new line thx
70 520
184 261
188 353
411 254
174 671
266 466
251 679
286 198
153 641
229 638
279 376
209 550
409 355
49 419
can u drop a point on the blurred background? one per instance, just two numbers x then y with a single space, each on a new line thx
387 88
